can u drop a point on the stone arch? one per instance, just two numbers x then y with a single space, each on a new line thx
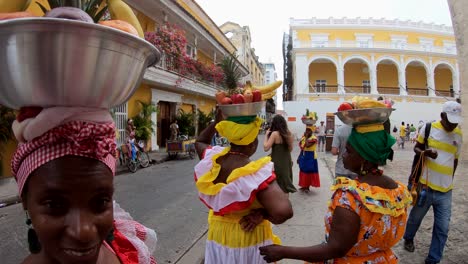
426 67
397 63
357 79
442 62
387 83
322 79
359 57
444 86
323 57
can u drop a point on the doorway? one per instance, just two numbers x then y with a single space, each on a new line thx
165 116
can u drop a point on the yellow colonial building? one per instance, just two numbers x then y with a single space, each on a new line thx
373 56
332 60
164 86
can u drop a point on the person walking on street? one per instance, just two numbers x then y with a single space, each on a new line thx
174 127
307 160
321 136
339 148
402 135
280 140
441 159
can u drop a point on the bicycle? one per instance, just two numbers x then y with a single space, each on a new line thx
142 158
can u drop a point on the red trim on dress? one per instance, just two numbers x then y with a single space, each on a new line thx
241 205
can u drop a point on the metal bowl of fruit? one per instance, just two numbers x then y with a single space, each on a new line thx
245 109
308 121
364 116
60 62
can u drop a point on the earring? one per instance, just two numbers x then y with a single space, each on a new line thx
33 240
110 236
362 172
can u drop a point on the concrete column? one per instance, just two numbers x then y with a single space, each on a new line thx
402 76
340 75
373 75
459 11
402 81
456 81
340 80
431 84
302 75
154 138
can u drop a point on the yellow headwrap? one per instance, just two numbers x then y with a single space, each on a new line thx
239 134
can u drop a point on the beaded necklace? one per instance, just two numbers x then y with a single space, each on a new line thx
238 153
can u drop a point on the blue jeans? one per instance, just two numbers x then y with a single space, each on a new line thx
442 206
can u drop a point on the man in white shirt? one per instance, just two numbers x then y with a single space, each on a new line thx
321 136
441 159
338 148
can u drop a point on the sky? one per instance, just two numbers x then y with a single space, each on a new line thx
268 20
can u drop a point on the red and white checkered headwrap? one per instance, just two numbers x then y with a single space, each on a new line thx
77 138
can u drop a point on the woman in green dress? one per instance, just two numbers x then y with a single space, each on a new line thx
280 140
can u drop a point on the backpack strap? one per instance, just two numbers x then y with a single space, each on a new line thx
427 131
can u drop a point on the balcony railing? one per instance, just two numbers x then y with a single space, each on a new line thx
358 89
323 89
171 64
418 91
374 45
388 90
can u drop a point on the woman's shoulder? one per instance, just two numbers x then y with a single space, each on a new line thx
391 201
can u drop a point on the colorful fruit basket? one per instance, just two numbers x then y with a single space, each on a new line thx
310 118
362 111
246 101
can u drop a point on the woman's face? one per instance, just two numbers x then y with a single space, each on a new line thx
308 132
351 159
69 201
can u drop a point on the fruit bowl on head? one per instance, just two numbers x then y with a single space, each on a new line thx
245 109
364 116
308 121
60 62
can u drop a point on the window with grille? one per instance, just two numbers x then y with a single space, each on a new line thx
320 86
120 119
366 86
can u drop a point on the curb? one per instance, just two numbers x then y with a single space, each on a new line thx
9 200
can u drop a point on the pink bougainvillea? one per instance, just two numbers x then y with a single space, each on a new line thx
171 40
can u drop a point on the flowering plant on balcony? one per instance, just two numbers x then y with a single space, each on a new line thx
170 39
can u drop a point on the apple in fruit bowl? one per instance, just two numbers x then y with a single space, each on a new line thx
226 101
345 107
237 99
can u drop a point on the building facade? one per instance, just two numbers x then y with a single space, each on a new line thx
335 59
170 89
241 39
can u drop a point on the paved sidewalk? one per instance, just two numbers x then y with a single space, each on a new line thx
9 189
307 227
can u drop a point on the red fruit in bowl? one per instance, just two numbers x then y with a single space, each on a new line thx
237 99
345 106
226 101
257 96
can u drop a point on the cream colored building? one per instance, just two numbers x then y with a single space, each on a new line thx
241 39
334 59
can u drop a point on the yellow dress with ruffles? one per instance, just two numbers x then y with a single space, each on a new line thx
227 243
383 214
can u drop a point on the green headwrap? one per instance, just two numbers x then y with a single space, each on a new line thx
375 146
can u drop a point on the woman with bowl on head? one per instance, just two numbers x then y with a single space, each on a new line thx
242 195
307 160
280 140
366 216
64 167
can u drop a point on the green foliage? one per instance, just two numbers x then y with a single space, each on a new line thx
7 116
186 123
232 73
204 119
91 7
143 123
